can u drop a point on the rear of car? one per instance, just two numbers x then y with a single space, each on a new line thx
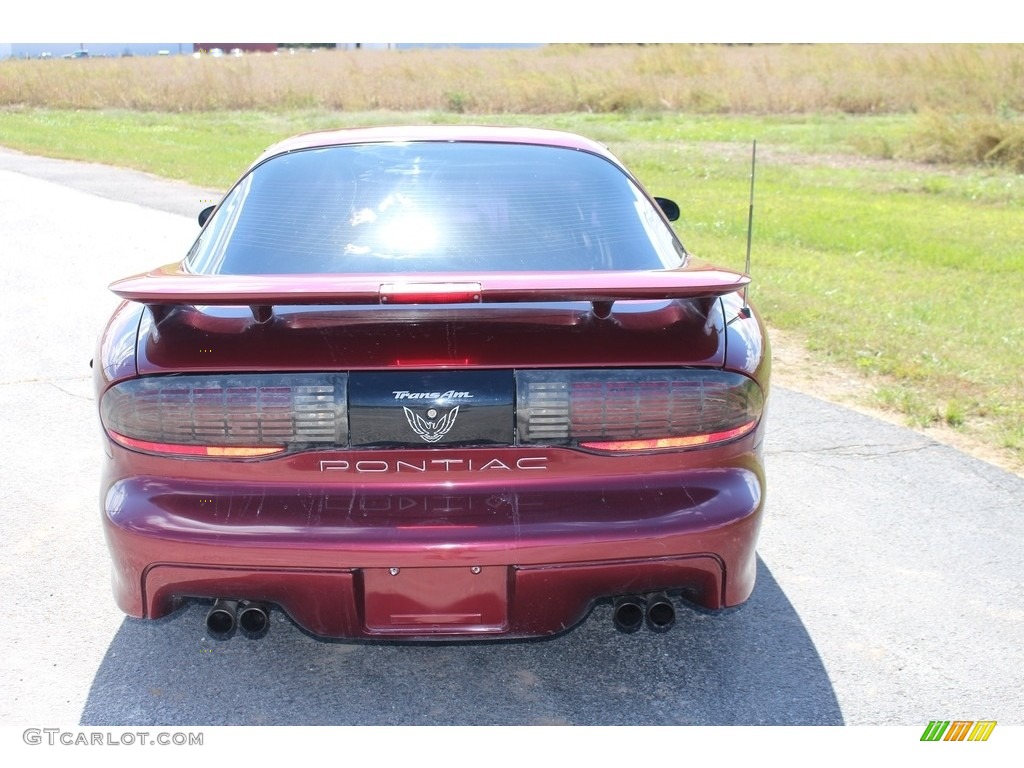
433 384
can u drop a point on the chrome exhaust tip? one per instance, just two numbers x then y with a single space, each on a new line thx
254 620
220 621
661 613
628 613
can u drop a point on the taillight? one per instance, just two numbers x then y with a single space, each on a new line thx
255 415
635 410
238 416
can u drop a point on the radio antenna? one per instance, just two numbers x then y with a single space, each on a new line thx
750 224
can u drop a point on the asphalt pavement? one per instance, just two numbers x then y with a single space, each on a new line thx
889 580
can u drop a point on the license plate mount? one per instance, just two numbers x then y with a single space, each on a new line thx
426 601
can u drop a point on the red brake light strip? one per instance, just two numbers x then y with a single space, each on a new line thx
662 443
210 451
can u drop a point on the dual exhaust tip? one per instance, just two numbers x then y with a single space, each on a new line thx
631 612
253 619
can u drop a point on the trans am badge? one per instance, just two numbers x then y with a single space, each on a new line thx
434 429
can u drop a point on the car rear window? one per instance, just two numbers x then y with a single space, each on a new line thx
434 206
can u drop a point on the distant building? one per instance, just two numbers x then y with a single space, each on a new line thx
245 47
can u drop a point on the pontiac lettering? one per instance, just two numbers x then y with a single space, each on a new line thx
368 466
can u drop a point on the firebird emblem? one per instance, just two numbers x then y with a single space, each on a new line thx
433 430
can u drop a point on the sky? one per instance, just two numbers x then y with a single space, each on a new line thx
521 21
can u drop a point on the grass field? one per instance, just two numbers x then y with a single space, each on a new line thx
697 79
909 274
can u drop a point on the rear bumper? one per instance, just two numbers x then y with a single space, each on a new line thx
384 562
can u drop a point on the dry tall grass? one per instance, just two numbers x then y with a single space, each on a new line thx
776 79
968 140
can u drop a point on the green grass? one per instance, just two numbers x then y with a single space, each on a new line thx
910 274
912 277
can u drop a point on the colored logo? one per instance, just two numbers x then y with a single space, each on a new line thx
432 428
958 730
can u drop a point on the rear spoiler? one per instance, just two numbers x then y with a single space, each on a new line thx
167 288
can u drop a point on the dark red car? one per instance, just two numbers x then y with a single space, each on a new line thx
433 383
